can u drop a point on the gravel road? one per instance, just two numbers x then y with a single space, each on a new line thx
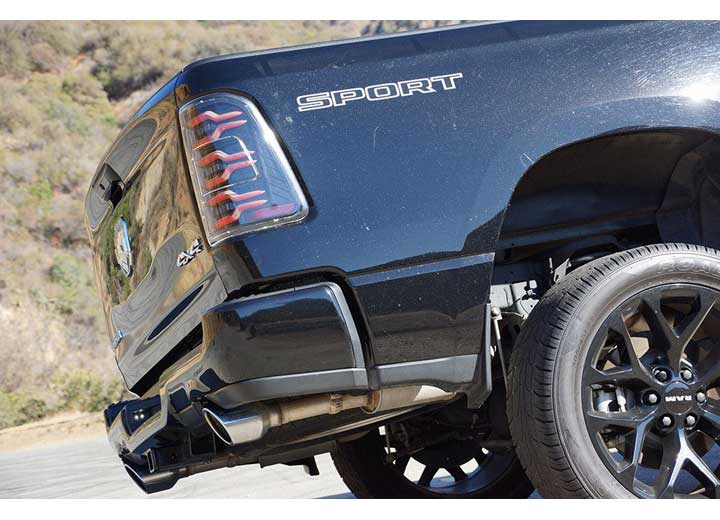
90 469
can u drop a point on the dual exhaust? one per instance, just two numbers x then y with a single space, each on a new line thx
250 423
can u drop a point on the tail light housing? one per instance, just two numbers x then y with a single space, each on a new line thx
243 182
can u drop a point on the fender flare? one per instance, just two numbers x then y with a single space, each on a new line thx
563 128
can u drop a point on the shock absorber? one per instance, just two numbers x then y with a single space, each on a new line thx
496 316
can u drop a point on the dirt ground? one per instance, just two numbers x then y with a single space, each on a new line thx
54 430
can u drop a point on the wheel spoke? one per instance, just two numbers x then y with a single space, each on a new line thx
616 376
678 453
427 475
709 371
457 473
700 470
633 418
697 467
629 470
639 371
663 337
446 467
688 327
667 337
710 421
670 466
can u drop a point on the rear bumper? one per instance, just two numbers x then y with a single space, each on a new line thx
288 343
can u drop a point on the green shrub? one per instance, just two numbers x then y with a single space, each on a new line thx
38 194
32 409
79 390
37 46
9 412
83 391
14 59
16 409
69 272
72 288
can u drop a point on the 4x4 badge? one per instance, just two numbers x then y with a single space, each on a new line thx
186 256
123 250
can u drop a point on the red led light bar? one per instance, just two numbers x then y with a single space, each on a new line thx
223 178
219 131
238 190
237 213
219 155
212 116
228 195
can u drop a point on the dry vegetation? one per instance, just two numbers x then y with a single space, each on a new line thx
66 88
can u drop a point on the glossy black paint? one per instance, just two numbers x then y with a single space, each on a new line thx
395 180
159 304
411 310
422 179
408 198
281 344
287 332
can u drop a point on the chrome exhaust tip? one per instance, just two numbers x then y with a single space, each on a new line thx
241 426
216 425
152 482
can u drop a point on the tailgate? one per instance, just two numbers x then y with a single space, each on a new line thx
141 214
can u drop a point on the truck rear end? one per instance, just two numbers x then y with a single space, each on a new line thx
361 247
258 261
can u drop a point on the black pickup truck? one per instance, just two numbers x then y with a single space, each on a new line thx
467 262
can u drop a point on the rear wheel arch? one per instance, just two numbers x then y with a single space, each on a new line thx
662 184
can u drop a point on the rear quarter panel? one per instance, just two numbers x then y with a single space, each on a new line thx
424 179
407 195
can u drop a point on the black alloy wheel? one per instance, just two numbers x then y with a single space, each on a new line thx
459 468
615 378
651 403
455 467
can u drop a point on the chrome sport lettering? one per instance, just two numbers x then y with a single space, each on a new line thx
378 92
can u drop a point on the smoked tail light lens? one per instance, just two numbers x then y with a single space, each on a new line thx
243 181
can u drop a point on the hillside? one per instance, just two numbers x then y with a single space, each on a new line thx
66 88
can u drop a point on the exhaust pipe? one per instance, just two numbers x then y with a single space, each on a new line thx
152 482
244 425
251 423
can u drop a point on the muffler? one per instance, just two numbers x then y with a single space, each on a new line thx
250 423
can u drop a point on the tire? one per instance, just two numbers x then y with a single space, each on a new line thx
547 405
361 464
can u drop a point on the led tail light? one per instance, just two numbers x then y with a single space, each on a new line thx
242 179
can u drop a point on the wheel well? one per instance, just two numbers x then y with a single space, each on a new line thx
610 193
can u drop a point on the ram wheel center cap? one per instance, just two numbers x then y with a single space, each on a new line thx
678 398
